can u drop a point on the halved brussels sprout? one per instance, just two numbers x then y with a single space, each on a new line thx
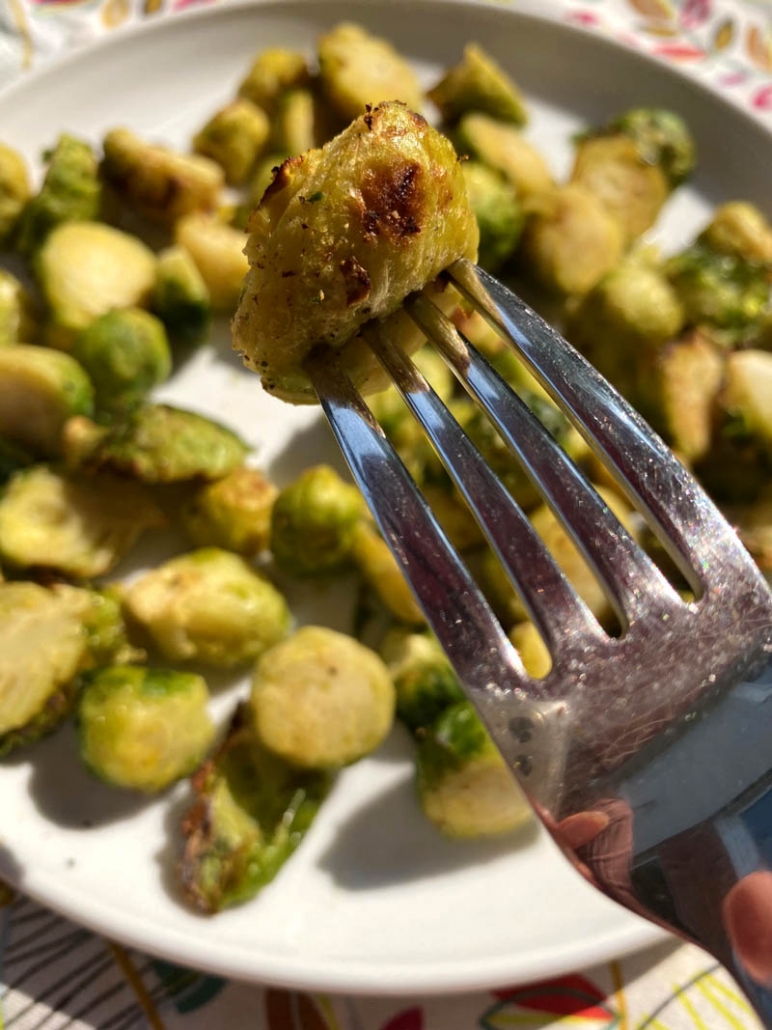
71 192
86 269
234 137
747 394
251 811
499 216
274 71
143 729
15 190
313 522
629 314
423 677
17 318
681 385
531 648
208 606
477 83
40 390
503 148
381 571
463 784
740 230
571 241
157 444
341 237
161 184
357 69
294 129
76 526
218 253
234 513
321 700
43 647
125 353
630 188
180 297
662 138
726 294
265 173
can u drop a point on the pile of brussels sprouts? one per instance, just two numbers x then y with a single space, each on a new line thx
91 317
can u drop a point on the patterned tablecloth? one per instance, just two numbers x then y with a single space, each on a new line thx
54 975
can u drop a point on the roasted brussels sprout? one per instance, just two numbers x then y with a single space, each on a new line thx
357 69
272 73
86 269
626 317
313 522
143 729
233 513
630 188
739 230
264 175
71 192
680 384
725 294
293 129
380 570
161 184
14 190
218 253
504 149
234 137
662 138
251 811
747 395
571 241
180 297
342 236
321 700
532 649
125 353
208 606
76 526
44 646
157 444
423 677
477 83
499 216
40 390
463 784
17 319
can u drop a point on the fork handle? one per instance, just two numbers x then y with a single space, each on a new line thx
692 811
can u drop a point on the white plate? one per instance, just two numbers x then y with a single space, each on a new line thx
374 901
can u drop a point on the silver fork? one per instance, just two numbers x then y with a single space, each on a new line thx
664 733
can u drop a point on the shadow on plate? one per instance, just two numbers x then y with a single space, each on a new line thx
312 445
389 841
63 790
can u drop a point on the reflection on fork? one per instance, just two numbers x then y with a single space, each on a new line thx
658 740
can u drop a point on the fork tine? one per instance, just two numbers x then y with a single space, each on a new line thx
552 603
643 466
456 610
631 579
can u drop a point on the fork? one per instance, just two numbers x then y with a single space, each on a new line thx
660 738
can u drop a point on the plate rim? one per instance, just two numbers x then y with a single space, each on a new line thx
447 976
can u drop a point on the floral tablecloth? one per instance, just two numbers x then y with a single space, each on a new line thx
54 975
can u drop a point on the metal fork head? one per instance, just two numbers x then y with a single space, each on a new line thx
660 739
